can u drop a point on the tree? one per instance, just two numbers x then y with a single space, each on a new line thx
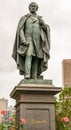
63 110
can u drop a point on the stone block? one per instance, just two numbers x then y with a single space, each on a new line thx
35 102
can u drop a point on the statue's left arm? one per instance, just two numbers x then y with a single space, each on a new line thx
43 25
46 28
48 35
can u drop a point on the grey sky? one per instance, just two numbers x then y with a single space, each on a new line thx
57 14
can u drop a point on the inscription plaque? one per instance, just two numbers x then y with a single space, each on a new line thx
37 119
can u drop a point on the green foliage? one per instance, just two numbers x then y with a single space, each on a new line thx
12 123
63 109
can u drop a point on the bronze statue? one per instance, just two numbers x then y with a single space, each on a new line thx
32 44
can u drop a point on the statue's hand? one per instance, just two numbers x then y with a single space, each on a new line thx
26 43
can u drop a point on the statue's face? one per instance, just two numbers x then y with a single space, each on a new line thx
33 8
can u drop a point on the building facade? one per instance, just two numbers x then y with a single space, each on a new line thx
3 105
66 72
10 111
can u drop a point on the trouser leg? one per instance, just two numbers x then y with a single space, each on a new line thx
28 63
34 68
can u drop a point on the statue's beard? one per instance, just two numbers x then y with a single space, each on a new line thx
33 11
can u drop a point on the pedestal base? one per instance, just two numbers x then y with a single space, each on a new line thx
35 103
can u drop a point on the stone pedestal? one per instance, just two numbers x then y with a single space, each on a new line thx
35 103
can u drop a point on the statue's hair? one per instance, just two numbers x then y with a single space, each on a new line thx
33 3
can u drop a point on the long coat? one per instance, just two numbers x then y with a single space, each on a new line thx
45 39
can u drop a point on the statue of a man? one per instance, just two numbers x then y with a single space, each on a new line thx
32 44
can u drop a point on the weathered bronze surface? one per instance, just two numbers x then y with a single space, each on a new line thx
32 44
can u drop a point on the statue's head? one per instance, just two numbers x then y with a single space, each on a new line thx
33 7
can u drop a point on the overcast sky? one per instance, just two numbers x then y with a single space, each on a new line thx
57 14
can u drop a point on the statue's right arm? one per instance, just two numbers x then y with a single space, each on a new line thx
22 36
21 31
